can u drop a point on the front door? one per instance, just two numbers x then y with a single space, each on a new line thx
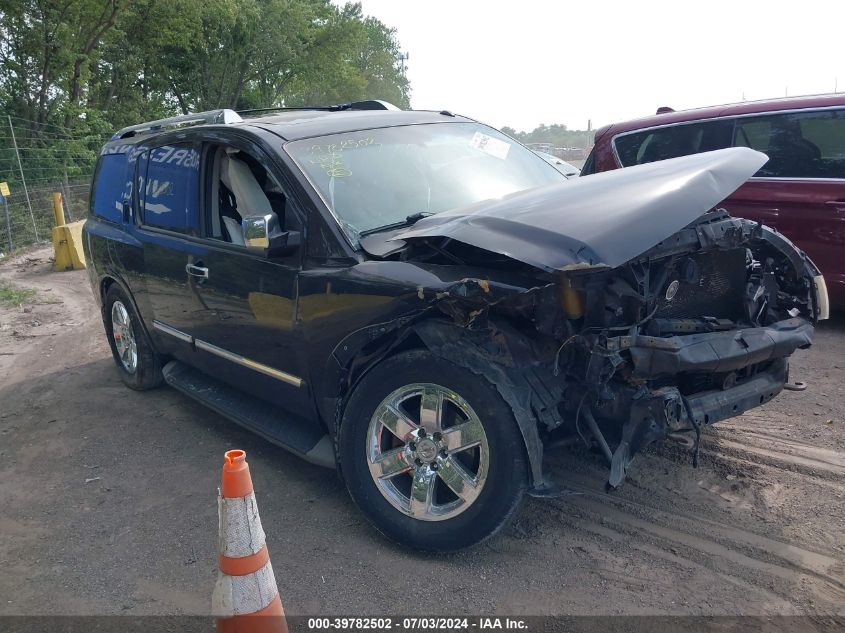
249 334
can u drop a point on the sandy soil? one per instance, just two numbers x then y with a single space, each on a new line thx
108 502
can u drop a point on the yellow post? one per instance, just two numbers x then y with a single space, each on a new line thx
67 239
58 208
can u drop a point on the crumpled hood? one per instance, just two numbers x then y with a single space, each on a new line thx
603 219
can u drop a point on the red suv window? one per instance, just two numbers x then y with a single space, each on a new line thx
673 141
798 144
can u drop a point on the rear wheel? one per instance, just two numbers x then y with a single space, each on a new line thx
431 453
136 361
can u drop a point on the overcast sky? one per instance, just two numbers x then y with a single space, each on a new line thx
525 62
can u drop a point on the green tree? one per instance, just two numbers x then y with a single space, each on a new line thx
558 135
72 71
87 65
45 46
377 61
354 58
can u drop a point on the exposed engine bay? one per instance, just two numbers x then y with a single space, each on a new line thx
694 331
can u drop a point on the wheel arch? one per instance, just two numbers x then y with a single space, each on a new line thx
497 355
105 284
352 358
531 395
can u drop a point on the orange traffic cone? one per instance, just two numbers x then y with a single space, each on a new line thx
246 598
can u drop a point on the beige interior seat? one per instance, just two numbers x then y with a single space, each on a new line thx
249 196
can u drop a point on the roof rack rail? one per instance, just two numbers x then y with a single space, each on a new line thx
372 104
223 115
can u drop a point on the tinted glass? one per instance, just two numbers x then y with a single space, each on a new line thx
377 177
798 144
109 186
673 141
170 192
590 164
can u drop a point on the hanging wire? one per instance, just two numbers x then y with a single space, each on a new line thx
64 130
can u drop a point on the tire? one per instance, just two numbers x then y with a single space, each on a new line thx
442 520
137 363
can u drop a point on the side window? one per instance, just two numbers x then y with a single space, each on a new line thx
753 133
672 141
238 185
169 189
590 164
798 144
109 187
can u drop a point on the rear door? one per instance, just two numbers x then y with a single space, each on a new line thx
167 185
801 190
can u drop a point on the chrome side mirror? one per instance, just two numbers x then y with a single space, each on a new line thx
263 234
258 229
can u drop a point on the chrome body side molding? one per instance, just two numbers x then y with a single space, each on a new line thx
230 356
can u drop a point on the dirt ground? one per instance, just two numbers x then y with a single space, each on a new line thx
108 505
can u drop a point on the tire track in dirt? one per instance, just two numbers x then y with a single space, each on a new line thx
625 538
668 511
712 537
807 465
785 453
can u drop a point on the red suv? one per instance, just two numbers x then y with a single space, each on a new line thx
800 191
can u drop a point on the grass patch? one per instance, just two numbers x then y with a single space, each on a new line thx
11 296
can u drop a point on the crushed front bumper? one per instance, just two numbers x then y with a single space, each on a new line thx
713 406
656 414
718 351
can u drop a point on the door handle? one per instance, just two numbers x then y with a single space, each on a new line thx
835 203
197 271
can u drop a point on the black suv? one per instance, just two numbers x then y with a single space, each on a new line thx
424 303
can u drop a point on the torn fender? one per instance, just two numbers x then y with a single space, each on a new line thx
503 357
601 220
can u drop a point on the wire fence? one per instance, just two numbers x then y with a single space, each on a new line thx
26 217
37 160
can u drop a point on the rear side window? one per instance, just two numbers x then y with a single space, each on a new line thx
673 141
109 187
168 186
798 144
590 164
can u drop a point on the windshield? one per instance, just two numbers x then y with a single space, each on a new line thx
374 178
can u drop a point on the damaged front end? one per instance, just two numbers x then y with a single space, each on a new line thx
695 329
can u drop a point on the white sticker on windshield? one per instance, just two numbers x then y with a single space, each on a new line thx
490 145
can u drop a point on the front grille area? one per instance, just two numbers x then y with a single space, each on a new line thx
693 383
717 293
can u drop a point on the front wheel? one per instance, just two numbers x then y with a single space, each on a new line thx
431 453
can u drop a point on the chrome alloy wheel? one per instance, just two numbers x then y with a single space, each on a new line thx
427 452
124 337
